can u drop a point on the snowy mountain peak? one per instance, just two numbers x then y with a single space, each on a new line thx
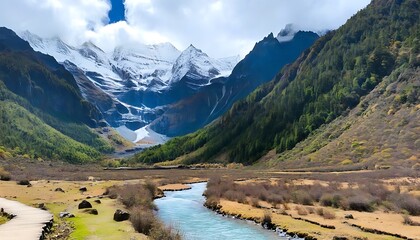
195 64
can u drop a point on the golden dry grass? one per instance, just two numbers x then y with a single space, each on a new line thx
87 226
174 187
378 220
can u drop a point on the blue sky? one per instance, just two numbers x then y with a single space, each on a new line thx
117 11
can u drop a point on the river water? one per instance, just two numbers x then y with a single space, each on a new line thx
184 211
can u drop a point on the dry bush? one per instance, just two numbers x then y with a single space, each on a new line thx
255 202
142 220
266 217
310 210
302 197
212 203
275 199
330 200
286 206
325 213
370 193
360 203
408 221
301 210
266 221
136 195
328 214
319 211
407 202
377 190
158 232
233 195
4 175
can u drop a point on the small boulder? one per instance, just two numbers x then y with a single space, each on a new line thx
348 216
339 238
121 215
24 182
66 215
58 190
98 201
85 204
42 206
91 211
83 189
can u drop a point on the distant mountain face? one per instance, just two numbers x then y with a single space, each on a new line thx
132 85
41 80
214 99
351 99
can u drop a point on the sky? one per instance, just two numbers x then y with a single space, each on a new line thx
220 28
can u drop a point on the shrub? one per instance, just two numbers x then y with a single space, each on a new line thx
158 232
310 210
255 202
326 200
212 203
325 213
4 175
360 203
266 221
275 199
302 197
142 220
328 214
407 202
235 196
376 190
330 200
301 210
408 221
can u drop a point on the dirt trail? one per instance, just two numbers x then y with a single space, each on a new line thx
28 223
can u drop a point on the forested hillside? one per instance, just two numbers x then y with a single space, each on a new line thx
326 82
43 114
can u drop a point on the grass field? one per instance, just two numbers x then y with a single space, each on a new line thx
46 177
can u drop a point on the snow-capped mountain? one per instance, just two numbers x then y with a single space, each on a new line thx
197 65
140 80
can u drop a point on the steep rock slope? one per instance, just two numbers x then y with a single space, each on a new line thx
325 82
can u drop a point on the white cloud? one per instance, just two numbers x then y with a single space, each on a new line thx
219 27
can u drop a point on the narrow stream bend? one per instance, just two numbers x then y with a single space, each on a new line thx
184 210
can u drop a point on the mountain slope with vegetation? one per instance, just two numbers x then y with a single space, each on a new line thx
258 67
43 114
326 82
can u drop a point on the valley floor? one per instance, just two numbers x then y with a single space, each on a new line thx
47 177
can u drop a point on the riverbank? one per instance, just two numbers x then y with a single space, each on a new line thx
46 177
185 211
311 220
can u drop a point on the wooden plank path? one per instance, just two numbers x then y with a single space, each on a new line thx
29 223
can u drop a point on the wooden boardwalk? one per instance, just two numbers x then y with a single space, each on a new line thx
29 223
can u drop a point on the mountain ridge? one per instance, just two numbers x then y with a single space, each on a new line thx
340 68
